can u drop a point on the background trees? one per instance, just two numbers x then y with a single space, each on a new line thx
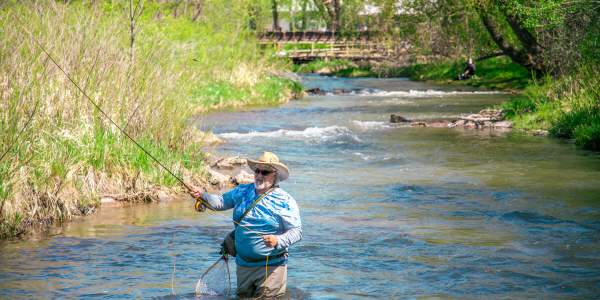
546 36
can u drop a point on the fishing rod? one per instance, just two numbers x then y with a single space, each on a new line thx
189 188
199 200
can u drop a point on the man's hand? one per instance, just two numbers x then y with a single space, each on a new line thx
270 240
196 192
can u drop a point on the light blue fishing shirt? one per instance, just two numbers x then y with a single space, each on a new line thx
276 214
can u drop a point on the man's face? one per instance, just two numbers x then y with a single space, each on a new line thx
264 178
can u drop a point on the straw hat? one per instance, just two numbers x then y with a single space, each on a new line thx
270 161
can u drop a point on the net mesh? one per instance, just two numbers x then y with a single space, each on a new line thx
216 281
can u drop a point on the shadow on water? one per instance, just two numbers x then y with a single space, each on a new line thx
292 293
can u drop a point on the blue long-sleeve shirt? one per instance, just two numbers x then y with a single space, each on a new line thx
276 214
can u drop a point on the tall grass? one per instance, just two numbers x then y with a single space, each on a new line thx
569 107
61 154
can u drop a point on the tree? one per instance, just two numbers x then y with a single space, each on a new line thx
331 10
276 26
544 36
524 50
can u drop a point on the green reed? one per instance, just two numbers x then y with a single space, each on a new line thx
61 154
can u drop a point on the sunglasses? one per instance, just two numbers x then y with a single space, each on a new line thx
262 172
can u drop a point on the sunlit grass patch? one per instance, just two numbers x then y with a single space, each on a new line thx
62 154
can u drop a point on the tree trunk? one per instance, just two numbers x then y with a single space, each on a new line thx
525 37
304 6
275 16
525 57
333 10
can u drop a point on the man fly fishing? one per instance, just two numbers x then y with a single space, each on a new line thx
267 222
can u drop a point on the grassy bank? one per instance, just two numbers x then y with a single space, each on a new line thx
568 107
58 155
493 73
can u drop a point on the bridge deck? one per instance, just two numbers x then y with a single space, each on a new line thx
358 46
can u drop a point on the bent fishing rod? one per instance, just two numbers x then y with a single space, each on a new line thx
189 188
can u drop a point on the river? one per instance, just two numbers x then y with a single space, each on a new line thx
388 211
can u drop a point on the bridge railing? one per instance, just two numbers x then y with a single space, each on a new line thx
327 44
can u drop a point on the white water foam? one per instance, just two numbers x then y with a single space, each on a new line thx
429 93
371 125
363 156
335 134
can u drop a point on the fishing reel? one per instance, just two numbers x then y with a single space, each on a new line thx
199 205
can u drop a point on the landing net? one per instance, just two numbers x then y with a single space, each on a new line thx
216 281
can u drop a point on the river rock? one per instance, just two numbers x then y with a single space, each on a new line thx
343 91
394 118
487 118
209 139
539 132
418 124
242 177
323 71
503 124
438 124
107 200
492 114
228 163
315 91
457 123
218 179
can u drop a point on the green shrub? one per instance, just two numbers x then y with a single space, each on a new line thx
518 105
588 136
568 122
319 64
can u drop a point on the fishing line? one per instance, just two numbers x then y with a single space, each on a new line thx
14 142
134 141
105 114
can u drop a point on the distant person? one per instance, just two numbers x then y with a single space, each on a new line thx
469 70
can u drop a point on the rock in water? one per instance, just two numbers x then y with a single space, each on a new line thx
394 118
315 91
503 124
418 124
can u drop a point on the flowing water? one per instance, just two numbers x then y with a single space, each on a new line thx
388 211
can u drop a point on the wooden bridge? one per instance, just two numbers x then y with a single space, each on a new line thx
311 45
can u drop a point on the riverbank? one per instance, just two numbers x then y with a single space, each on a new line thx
497 73
61 157
565 107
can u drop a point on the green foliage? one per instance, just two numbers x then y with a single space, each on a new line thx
569 107
321 65
306 46
11 226
267 91
496 73
588 135
566 124
519 105
176 67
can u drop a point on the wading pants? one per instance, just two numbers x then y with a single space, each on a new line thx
251 282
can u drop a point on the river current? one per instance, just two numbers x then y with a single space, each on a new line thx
388 211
